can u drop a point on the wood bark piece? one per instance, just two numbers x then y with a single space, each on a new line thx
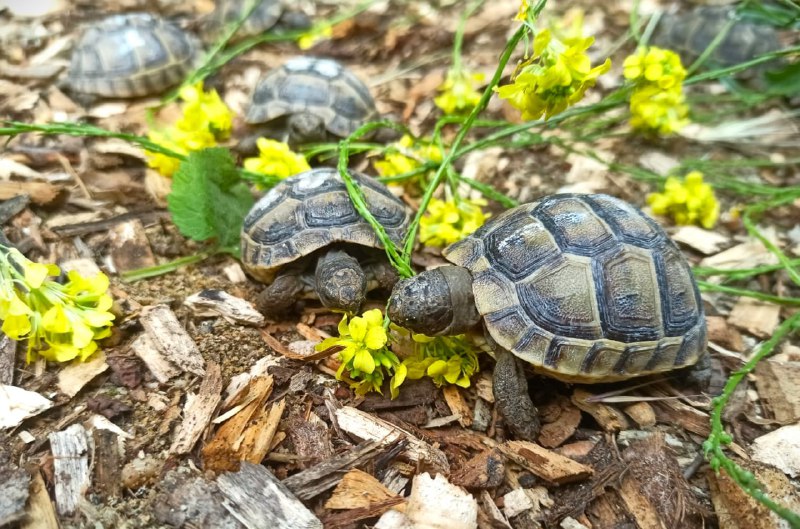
722 333
73 377
260 501
365 426
757 317
169 337
435 503
544 463
198 410
706 242
778 388
14 484
130 248
780 448
641 413
258 437
17 404
609 418
311 438
8 354
455 401
41 193
309 483
484 471
161 368
40 513
70 448
357 489
187 500
560 419
107 463
213 302
746 255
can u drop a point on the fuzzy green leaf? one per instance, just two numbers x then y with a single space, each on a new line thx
208 199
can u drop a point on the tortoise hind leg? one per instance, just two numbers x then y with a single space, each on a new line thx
512 399
699 375
340 281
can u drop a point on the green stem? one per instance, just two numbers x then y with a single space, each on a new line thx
738 274
713 287
165 268
722 72
458 40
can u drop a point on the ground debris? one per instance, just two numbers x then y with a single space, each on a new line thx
213 302
13 492
608 417
778 389
434 503
74 377
780 449
544 463
484 471
198 410
17 404
70 448
170 339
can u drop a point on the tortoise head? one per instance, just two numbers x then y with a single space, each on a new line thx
305 127
437 302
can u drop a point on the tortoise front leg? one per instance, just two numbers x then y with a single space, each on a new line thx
699 375
511 397
279 297
341 283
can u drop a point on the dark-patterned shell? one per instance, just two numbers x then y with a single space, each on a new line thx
131 55
584 287
310 211
320 86
691 33
263 17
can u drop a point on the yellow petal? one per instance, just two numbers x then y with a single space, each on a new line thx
364 362
55 320
375 338
35 274
81 334
357 328
373 317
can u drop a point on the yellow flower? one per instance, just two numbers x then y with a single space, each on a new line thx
363 351
450 221
445 359
276 159
656 110
316 34
409 154
522 14
60 321
459 92
555 77
655 65
206 107
690 201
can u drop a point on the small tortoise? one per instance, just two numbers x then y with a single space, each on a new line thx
266 15
131 55
689 34
305 239
585 288
310 99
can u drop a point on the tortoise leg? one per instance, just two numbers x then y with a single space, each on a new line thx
512 399
248 146
341 283
380 275
281 295
305 127
699 375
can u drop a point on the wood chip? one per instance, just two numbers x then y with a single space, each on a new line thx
8 355
779 448
778 388
107 461
212 302
484 471
756 317
161 368
434 503
609 418
130 248
40 513
745 255
171 338
358 490
75 376
560 419
260 501
198 410
17 404
365 426
455 401
70 450
41 193
13 493
722 333
706 242
544 463
641 413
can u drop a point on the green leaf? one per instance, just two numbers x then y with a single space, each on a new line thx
208 199
785 81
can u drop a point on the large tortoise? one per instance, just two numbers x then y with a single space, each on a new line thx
131 55
265 16
310 99
585 288
305 239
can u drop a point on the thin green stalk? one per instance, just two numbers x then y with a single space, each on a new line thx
777 252
458 40
738 274
722 72
779 300
712 446
711 47
171 266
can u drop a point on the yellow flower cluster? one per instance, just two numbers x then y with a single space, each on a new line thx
275 158
204 120
364 354
406 155
690 201
555 77
449 221
60 322
458 92
657 102
314 35
445 359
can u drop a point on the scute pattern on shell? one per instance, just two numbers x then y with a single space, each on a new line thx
131 55
320 86
691 33
584 287
263 17
310 211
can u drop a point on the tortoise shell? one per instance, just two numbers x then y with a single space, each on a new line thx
586 288
310 211
131 55
691 33
319 86
263 17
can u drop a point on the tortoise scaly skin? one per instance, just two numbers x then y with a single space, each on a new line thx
131 55
310 99
304 239
584 288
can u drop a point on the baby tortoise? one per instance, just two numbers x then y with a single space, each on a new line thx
689 34
310 100
266 15
305 239
131 55
585 288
